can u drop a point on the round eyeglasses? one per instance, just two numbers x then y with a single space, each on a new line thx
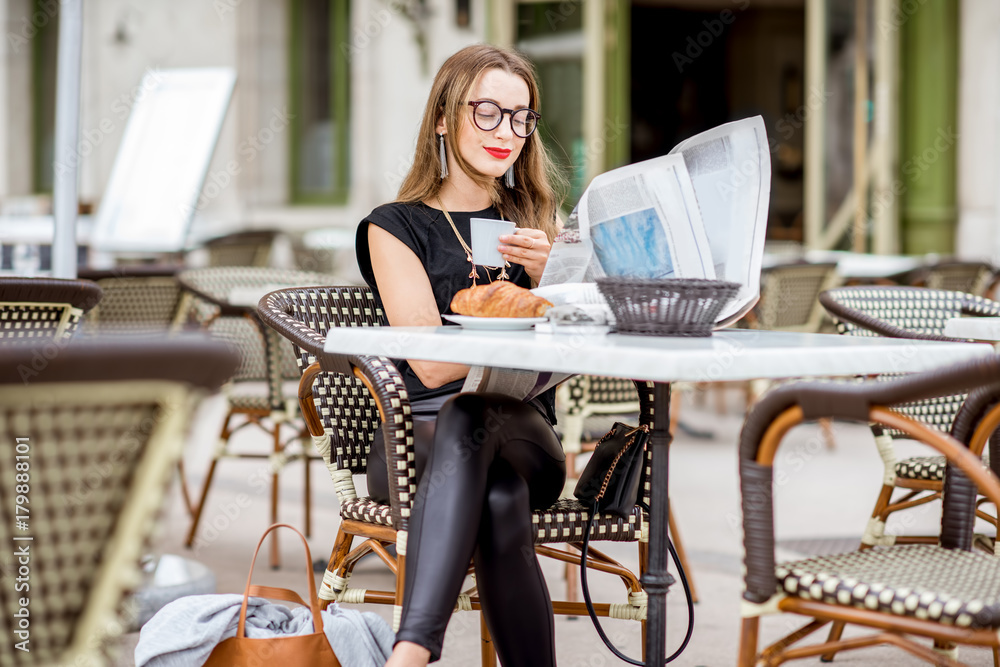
488 116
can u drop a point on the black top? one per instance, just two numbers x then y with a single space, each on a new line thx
426 232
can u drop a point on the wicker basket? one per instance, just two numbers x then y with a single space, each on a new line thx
676 307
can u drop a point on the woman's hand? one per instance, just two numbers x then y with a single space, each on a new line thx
528 247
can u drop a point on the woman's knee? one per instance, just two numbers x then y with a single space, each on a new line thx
508 498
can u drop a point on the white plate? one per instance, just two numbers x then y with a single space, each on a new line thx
494 323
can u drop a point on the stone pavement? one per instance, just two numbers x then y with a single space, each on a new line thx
823 504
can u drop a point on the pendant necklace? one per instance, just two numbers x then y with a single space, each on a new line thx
474 274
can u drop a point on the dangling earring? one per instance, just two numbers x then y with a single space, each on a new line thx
444 157
508 178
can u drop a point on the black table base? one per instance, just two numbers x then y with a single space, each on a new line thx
656 580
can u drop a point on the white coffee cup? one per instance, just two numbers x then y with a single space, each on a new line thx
486 234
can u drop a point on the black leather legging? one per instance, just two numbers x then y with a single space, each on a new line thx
487 464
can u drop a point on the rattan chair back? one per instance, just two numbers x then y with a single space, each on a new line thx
347 409
937 589
95 433
249 248
588 405
214 286
789 296
137 300
44 308
902 312
907 312
971 277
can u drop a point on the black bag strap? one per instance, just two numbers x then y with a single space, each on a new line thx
590 604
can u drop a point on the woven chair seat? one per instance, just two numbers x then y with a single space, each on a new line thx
565 521
366 510
923 581
248 402
927 467
922 467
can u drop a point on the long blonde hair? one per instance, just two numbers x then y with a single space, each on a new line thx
533 200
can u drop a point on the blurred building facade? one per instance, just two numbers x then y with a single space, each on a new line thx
329 96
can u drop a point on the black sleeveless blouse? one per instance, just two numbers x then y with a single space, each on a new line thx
426 232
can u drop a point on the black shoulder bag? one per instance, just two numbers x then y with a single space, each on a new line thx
610 484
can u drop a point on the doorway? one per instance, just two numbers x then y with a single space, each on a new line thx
696 65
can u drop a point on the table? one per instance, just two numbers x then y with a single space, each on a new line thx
727 355
331 238
977 328
861 266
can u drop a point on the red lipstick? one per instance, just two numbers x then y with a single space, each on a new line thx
499 153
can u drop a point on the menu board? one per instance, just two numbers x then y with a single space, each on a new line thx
163 159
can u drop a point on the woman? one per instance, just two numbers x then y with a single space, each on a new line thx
492 459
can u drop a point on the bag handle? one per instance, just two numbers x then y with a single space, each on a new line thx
590 605
280 593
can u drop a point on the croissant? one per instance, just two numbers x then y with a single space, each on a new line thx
499 299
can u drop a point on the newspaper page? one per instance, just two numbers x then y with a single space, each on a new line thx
716 233
730 167
644 222
698 212
521 384
639 220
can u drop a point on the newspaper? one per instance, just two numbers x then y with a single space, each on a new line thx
521 384
698 212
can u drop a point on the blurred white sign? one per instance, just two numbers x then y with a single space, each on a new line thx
162 161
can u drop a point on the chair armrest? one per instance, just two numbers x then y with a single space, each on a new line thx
840 312
379 375
790 405
274 309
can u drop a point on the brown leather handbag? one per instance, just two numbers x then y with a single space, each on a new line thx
306 650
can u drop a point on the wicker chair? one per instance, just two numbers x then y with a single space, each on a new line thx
943 591
248 248
789 301
906 312
137 300
44 308
972 277
344 399
96 434
789 298
266 358
587 407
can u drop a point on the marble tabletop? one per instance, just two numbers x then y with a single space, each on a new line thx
728 354
978 328
854 264
332 238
